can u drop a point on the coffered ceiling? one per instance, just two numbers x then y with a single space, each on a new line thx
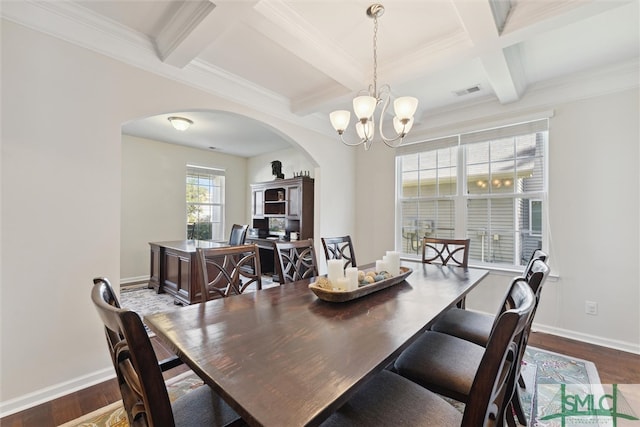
300 59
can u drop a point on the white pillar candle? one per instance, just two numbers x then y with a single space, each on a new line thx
393 262
381 266
334 270
342 284
351 273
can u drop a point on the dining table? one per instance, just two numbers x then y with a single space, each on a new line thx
283 357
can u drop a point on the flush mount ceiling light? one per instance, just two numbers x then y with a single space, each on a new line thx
180 123
364 105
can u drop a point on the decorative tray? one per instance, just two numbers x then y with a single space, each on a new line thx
343 296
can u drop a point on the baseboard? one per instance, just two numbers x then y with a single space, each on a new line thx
53 392
579 336
133 280
591 339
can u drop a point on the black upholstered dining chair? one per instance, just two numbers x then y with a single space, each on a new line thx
229 270
296 260
390 399
445 362
340 248
238 234
476 327
139 374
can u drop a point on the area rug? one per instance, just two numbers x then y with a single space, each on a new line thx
113 415
145 301
540 367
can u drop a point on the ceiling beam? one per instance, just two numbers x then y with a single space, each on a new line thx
478 20
189 32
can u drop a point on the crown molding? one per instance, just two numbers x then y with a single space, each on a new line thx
83 27
545 95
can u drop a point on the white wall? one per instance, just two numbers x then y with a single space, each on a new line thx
154 194
62 112
594 189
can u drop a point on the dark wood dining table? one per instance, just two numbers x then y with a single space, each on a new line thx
283 357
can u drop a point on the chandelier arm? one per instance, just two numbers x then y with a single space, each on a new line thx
399 136
351 144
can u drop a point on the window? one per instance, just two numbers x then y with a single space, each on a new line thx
488 186
205 203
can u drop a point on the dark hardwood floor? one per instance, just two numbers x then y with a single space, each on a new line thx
614 367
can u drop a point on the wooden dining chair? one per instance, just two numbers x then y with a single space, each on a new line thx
446 364
390 399
139 374
340 248
476 327
445 251
295 260
238 234
228 270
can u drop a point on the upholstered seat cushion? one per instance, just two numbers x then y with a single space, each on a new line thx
388 399
442 363
202 407
468 325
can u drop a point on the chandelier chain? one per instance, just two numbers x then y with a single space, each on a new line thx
375 56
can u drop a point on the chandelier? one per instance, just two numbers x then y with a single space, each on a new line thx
365 104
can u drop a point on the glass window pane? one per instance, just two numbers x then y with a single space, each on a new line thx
428 182
477 153
502 149
532 175
478 178
448 181
409 162
428 160
410 184
445 217
502 177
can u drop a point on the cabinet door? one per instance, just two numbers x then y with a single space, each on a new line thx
294 199
257 204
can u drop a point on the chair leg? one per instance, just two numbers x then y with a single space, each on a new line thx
521 382
517 408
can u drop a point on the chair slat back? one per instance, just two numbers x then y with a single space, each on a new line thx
144 393
445 251
494 383
296 260
340 248
228 270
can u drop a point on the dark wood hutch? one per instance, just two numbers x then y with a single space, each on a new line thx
279 208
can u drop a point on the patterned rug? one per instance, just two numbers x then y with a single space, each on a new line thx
541 369
145 301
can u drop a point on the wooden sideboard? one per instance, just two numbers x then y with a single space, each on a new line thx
174 268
